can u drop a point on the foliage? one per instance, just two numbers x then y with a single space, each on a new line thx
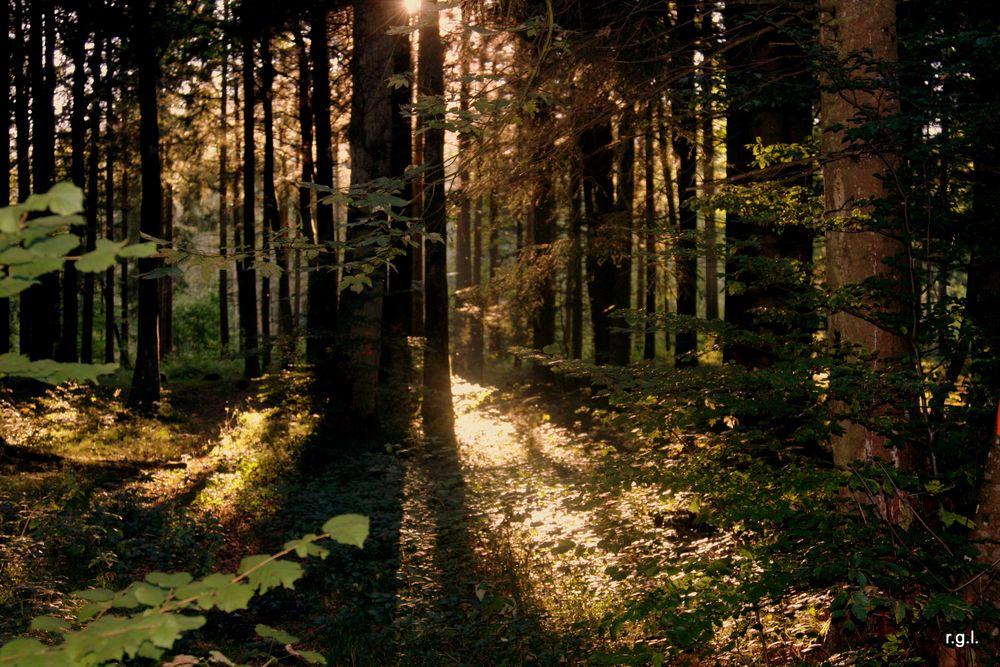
149 617
31 247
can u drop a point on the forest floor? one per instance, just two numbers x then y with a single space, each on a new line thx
515 544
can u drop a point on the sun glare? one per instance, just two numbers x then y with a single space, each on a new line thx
412 6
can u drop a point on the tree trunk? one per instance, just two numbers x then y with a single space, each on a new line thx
123 343
39 303
109 209
686 259
93 194
67 350
5 66
167 282
397 305
323 283
436 410
245 271
649 226
21 104
272 218
359 344
224 191
770 102
852 173
574 276
598 198
621 336
146 377
306 158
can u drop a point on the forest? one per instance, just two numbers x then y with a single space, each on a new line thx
500 332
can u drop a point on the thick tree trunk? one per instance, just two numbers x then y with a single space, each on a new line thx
323 283
246 274
146 377
397 305
853 172
359 344
436 410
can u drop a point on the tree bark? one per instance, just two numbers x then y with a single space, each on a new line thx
224 190
40 303
686 260
245 271
167 282
271 227
436 410
93 203
5 67
649 227
621 336
853 175
324 286
602 242
146 377
109 209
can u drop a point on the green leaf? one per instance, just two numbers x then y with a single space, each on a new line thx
307 546
151 596
164 580
312 657
265 574
348 529
100 258
64 199
10 219
280 636
948 518
94 594
37 267
50 624
12 286
138 250
55 246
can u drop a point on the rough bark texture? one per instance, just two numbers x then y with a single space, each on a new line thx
436 410
146 376
852 173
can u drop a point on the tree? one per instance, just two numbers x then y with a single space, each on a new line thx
146 376
854 170
245 271
436 410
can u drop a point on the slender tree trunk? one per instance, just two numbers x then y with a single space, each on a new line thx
93 203
272 217
109 208
5 68
686 260
245 271
574 277
224 192
437 412
417 265
602 242
167 282
323 283
477 335
69 335
21 104
707 188
306 158
123 343
146 378
621 336
649 227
